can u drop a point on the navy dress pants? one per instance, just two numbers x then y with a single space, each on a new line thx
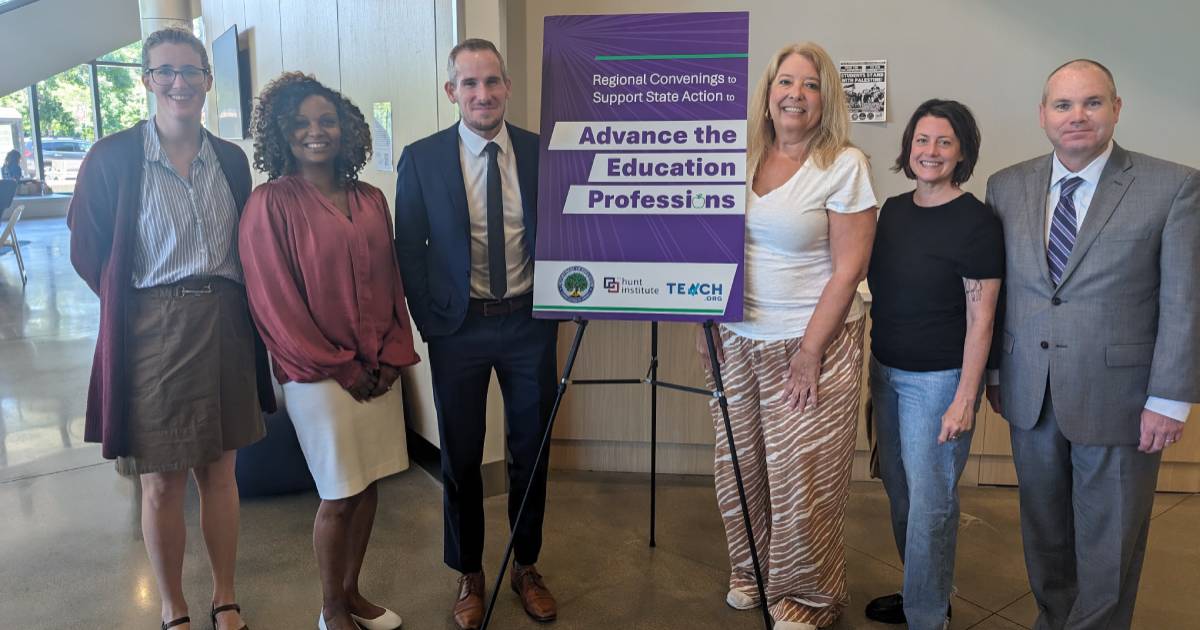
522 351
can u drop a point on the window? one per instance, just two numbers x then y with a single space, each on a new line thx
66 117
72 109
122 97
16 130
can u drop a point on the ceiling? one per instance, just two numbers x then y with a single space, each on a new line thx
44 37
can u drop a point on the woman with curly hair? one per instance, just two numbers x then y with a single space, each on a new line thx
325 291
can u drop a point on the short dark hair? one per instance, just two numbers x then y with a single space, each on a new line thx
173 35
474 44
271 125
1112 83
961 121
12 157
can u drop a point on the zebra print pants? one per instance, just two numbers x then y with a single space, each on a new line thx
796 470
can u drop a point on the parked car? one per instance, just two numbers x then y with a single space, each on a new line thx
62 157
30 160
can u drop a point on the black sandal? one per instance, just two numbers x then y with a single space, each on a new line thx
225 608
176 622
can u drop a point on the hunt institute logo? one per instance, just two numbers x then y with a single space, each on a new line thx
628 286
575 284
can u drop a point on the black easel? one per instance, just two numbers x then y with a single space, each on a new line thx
651 379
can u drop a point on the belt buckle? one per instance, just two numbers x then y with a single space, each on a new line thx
498 305
182 291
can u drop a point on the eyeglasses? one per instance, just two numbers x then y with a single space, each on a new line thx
165 75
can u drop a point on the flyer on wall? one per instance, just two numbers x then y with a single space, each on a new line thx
865 83
642 188
381 136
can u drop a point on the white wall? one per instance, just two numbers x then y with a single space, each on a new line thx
44 38
991 55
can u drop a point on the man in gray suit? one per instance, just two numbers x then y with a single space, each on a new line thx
1100 346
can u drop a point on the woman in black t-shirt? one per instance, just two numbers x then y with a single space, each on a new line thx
934 277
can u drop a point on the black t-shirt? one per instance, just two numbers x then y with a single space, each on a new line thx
921 255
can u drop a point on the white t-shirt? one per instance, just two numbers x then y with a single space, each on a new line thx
788 262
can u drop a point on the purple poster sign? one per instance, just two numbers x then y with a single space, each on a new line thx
641 200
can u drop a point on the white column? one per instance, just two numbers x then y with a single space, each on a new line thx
486 19
160 14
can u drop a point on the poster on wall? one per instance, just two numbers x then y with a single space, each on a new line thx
865 83
642 187
381 136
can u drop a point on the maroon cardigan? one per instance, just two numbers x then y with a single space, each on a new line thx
103 222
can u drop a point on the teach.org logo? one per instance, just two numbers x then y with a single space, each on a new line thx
575 284
710 291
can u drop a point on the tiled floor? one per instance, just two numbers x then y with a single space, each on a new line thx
72 554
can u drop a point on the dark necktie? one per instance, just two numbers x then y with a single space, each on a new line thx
497 269
1063 228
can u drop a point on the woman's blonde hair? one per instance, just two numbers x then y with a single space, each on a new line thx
833 132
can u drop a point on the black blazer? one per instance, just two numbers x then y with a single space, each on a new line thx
433 225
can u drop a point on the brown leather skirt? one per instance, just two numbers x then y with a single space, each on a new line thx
191 375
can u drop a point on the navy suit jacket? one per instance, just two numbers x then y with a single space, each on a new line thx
433 225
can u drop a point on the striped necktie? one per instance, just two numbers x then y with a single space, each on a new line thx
1062 229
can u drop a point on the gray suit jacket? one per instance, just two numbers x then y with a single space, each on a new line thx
1124 323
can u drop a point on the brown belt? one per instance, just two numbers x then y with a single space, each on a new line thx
496 308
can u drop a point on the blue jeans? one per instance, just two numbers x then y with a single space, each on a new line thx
921 478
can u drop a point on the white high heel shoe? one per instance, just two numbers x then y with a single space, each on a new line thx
387 621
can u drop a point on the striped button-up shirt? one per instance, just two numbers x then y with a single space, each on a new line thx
186 227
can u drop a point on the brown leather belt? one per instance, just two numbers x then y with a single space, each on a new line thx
496 308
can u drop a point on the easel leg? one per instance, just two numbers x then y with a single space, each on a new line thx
562 389
653 427
737 471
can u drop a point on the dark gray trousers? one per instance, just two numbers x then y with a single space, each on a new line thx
1085 514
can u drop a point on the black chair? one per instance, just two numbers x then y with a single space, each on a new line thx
274 464
8 190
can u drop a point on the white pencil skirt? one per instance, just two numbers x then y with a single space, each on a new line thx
347 444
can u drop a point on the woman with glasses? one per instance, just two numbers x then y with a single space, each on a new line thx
179 375
326 294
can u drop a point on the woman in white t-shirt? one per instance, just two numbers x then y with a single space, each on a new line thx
791 369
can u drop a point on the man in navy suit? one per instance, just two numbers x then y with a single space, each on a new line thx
466 217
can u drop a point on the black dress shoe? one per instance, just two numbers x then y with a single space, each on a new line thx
887 609
890 609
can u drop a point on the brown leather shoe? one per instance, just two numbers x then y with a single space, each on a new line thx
468 609
535 597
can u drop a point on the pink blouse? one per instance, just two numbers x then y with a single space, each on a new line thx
324 288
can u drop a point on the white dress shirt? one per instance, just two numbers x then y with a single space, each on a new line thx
519 261
1082 198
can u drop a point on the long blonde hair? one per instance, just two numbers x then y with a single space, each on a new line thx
833 132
